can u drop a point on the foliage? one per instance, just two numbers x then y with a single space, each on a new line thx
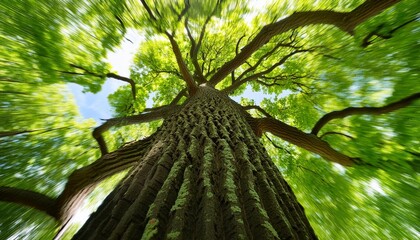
37 125
325 69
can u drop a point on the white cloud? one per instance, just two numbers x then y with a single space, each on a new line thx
122 57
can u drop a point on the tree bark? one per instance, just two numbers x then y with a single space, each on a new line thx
206 176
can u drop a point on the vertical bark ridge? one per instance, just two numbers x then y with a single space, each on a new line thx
110 226
230 127
268 199
208 204
255 215
289 203
159 210
294 210
234 224
207 176
290 208
130 224
178 227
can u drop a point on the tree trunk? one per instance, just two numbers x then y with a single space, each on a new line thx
206 176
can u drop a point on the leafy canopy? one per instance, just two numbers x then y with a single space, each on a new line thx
297 77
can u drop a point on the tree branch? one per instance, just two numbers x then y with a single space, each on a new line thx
196 47
84 180
193 54
175 100
183 11
124 121
156 72
366 41
363 110
18 132
295 136
265 56
124 79
254 76
108 75
29 198
186 75
149 11
346 21
80 183
237 44
277 146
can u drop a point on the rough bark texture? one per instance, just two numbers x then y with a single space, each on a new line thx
84 180
206 176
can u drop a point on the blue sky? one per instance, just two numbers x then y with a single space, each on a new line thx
96 106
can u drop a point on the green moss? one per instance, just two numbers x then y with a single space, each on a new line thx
209 195
164 191
151 229
182 198
212 129
208 159
236 209
173 235
194 147
268 226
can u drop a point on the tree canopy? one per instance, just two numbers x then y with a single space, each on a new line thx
341 75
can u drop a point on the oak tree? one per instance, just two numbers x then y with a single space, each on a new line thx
325 93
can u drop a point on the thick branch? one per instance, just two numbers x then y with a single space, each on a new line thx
124 121
82 181
186 75
14 133
307 141
193 55
363 110
29 198
124 79
346 21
